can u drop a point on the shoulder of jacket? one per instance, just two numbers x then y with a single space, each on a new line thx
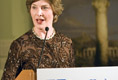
64 37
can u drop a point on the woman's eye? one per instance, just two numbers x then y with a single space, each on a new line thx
44 7
34 7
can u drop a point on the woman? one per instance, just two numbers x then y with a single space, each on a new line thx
25 51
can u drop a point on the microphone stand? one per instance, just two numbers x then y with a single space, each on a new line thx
46 29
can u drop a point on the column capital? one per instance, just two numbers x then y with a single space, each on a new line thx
100 5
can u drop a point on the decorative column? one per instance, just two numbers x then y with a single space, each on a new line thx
100 6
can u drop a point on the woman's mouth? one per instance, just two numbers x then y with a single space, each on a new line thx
39 21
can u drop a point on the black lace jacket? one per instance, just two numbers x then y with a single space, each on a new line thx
25 51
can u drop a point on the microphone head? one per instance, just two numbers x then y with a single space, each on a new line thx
46 29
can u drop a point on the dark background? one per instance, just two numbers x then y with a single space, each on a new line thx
79 17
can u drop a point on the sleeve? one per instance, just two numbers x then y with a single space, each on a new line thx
12 62
72 56
68 49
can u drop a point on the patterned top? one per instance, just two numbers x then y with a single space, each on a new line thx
25 51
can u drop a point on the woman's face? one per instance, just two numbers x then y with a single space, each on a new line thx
42 14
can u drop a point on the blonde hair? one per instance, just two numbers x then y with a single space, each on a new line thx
56 5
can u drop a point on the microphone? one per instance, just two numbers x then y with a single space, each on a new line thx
46 29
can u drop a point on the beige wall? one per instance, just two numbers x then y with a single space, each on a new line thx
14 21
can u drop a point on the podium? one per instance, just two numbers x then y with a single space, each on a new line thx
83 73
26 75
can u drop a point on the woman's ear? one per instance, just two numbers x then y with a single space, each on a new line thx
55 18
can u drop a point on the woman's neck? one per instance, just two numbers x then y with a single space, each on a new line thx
40 33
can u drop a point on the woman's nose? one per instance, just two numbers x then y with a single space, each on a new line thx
40 12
